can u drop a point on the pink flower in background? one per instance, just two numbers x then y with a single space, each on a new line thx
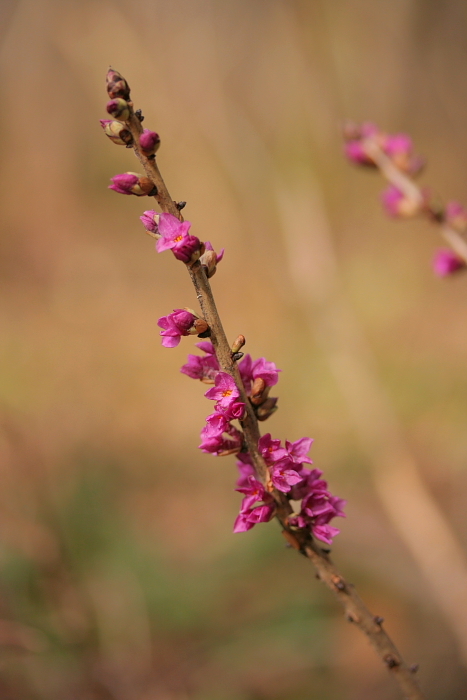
397 144
456 216
176 324
446 263
225 391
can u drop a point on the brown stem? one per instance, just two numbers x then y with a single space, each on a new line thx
354 608
411 190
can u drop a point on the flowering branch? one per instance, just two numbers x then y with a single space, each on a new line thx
241 392
392 155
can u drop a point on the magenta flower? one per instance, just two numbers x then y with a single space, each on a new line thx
325 533
456 216
251 517
176 324
283 476
229 442
267 371
354 148
131 183
149 142
254 492
297 451
224 391
235 411
397 144
175 237
446 263
271 450
216 424
245 468
396 203
204 367
246 372
150 221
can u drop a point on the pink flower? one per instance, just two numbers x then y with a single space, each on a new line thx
271 450
204 367
235 411
225 390
150 221
228 442
254 491
456 216
283 476
176 324
245 468
251 517
298 450
396 203
446 262
175 237
267 371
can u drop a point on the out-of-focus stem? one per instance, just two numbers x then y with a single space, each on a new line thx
354 609
406 185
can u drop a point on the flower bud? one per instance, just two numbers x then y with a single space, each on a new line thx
119 109
398 204
257 391
150 221
132 183
238 344
149 142
117 132
456 216
446 263
117 86
201 328
267 408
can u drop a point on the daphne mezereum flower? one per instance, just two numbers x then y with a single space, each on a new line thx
397 204
271 450
446 263
283 475
225 390
180 322
254 492
456 216
202 367
297 451
247 519
175 237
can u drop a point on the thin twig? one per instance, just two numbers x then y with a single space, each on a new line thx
354 608
412 191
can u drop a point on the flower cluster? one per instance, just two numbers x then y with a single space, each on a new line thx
287 468
399 201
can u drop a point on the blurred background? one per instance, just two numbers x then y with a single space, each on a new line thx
119 576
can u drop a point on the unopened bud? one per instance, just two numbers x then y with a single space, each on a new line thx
209 260
119 109
200 327
238 344
132 183
267 408
237 356
257 391
117 132
117 86
149 142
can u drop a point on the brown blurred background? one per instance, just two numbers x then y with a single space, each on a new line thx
119 576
